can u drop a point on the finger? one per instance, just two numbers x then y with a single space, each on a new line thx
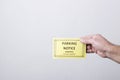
89 51
86 39
88 46
101 54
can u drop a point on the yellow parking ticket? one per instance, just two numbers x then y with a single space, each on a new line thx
68 48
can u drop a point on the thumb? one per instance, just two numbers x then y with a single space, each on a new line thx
86 40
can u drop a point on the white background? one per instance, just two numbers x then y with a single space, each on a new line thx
28 26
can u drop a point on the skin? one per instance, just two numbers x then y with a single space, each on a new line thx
98 44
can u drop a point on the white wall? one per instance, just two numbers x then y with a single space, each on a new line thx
28 26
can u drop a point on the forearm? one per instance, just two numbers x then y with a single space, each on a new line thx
114 53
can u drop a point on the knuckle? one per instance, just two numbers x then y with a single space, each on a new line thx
96 36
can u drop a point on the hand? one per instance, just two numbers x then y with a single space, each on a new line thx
101 46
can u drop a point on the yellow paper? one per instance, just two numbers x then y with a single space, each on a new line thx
68 48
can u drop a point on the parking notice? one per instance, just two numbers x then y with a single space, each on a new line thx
68 48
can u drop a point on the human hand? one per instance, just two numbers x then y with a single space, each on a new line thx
101 46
